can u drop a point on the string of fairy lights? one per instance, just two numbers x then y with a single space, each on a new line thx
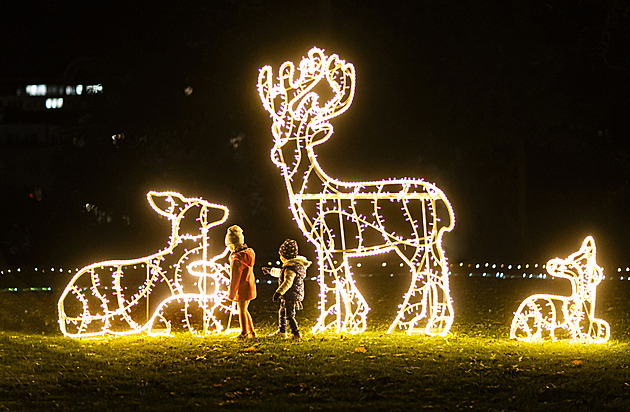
350 220
489 270
549 317
97 302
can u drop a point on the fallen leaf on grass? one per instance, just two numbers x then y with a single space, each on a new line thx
577 362
250 349
360 349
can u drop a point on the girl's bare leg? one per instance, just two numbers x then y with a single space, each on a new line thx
247 325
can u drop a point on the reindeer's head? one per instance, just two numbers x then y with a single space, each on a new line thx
580 267
299 120
190 217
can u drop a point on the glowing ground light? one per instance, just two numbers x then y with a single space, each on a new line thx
352 219
549 317
113 296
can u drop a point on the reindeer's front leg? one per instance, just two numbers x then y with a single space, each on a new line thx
329 296
342 306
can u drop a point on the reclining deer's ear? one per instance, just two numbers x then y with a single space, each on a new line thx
213 214
167 204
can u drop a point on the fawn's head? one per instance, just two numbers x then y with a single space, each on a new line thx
190 217
302 107
580 267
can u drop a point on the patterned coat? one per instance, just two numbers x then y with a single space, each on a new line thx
242 279
295 291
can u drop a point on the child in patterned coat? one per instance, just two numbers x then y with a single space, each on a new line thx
290 290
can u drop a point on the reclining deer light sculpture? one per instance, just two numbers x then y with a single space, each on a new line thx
543 316
347 220
89 307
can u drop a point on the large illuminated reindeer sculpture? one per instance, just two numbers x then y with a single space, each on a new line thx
548 317
352 219
176 275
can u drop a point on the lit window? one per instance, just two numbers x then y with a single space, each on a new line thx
36 90
55 103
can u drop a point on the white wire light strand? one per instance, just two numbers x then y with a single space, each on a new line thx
545 317
96 303
345 220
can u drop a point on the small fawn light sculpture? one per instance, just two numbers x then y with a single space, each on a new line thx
347 220
549 317
88 307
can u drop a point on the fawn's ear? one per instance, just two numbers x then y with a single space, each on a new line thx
588 247
167 204
585 257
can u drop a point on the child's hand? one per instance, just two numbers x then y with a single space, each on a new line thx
266 270
276 296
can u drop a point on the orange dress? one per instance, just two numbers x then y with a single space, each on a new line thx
242 279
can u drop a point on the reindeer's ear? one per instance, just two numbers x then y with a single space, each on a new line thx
321 133
167 204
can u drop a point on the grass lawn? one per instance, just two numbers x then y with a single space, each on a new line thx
475 367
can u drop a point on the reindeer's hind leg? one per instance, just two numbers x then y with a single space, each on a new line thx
426 306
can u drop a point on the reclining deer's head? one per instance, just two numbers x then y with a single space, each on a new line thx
190 217
301 107
580 268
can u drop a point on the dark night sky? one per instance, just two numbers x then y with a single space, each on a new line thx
518 110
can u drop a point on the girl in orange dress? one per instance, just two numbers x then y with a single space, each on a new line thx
242 280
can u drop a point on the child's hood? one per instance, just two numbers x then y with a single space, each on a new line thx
300 260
